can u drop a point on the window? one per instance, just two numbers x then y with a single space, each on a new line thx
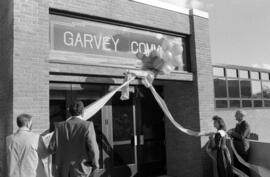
257 103
218 72
233 85
220 88
266 103
265 76
231 72
243 74
234 103
246 103
241 88
245 88
256 89
254 75
221 103
266 89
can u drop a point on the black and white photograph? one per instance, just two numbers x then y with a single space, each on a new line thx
134 88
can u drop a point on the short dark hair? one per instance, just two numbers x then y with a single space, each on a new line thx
221 123
23 119
76 108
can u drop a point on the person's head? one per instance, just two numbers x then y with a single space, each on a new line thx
76 108
219 123
24 120
239 115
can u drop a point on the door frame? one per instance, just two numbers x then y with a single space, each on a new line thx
133 167
107 127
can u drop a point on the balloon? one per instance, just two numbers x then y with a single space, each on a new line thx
166 45
167 69
167 57
140 55
154 54
177 49
158 64
177 61
139 64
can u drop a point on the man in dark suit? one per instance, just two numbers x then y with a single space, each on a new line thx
75 146
240 134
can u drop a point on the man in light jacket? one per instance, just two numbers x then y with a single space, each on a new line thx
74 145
25 151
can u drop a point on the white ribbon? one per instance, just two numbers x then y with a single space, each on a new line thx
93 108
166 111
259 170
263 172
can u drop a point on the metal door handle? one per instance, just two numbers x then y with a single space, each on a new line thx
135 140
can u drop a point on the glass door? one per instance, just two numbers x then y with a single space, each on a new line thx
130 133
151 134
124 160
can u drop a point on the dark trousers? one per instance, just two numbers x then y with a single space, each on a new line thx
239 165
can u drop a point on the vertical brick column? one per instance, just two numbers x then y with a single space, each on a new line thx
191 103
183 151
6 74
24 75
202 69
30 67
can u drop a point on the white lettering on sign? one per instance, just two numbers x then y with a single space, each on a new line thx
106 43
115 42
97 42
88 40
78 40
68 38
134 47
143 47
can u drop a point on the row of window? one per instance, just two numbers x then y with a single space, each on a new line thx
241 88
234 88
242 103
244 74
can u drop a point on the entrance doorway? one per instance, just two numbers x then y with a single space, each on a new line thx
130 133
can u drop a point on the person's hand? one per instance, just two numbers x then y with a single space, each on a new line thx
211 136
94 171
202 133
95 168
230 132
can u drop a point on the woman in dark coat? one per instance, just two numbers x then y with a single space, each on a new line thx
218 143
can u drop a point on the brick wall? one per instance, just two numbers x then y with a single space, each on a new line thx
6 53
30 68
24 84
183 151
201 66
127 11
26 54
192 105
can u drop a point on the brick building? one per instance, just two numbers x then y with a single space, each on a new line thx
55 51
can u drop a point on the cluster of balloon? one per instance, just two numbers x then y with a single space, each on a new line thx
168 57
164 60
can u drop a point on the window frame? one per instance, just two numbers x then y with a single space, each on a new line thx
241 98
